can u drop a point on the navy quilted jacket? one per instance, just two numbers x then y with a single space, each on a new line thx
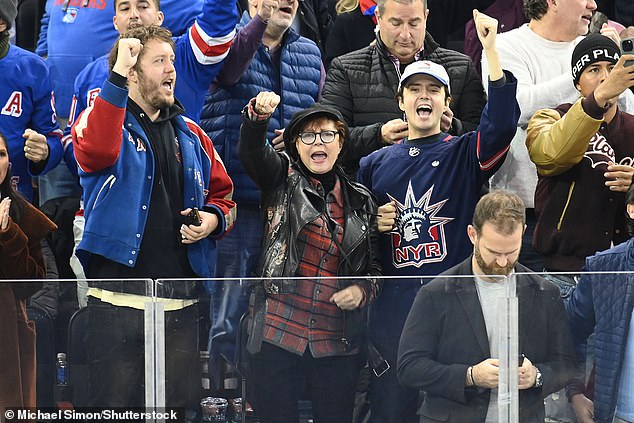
604 302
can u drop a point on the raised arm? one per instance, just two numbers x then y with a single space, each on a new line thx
245 45
556 143
499 117
97 134
206 44
264 165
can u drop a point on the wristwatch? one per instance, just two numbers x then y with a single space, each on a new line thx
538 379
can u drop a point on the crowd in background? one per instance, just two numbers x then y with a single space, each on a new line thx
324 139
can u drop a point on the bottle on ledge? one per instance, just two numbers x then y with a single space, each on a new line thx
61 370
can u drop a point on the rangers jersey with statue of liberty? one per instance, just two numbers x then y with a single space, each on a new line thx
436 182
26 98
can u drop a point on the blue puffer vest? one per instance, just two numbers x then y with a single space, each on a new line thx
613 299
297 82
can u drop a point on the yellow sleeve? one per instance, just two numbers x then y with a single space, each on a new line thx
556 143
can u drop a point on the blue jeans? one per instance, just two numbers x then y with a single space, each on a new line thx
565 283
238 254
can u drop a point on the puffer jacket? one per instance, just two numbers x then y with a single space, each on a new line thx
289 201
362 86
604 302
296 78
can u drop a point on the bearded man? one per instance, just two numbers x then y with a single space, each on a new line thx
449 347
156 198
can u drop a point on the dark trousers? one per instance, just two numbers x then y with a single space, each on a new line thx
116 356
391 402
279 377
237 257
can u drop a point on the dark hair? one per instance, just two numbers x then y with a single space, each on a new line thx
341 130
157 3
535 9
504 210
399 93
143 34
7 190
380 4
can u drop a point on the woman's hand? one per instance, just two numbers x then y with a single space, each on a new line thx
348 298
265 103
5 205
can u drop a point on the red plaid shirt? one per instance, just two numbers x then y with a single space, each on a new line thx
307 317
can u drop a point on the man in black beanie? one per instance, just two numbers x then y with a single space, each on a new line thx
27 114
584 154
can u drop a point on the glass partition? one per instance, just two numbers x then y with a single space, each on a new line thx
144 345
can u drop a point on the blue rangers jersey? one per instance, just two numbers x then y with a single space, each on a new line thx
436 182
26 98
199 54
76 32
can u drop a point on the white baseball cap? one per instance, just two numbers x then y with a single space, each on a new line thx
425 67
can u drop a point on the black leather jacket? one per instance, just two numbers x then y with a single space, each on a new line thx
289 201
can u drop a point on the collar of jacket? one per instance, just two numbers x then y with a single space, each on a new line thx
429 46
289 36
354 196
165 114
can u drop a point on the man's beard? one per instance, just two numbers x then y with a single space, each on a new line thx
492 269
150 93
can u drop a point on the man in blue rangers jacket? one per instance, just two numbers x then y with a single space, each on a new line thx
143 169
199 56
429 186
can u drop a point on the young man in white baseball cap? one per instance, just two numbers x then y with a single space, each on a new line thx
429 185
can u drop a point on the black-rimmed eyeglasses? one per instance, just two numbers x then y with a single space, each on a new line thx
309 138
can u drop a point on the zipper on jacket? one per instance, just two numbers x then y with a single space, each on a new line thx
346 344
563 213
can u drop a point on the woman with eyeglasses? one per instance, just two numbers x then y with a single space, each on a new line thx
307 322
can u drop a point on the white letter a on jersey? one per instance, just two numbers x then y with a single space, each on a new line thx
13 106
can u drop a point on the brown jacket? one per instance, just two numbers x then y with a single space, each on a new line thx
20 258
577 214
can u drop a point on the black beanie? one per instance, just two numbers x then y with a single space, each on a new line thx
8 11
593 48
